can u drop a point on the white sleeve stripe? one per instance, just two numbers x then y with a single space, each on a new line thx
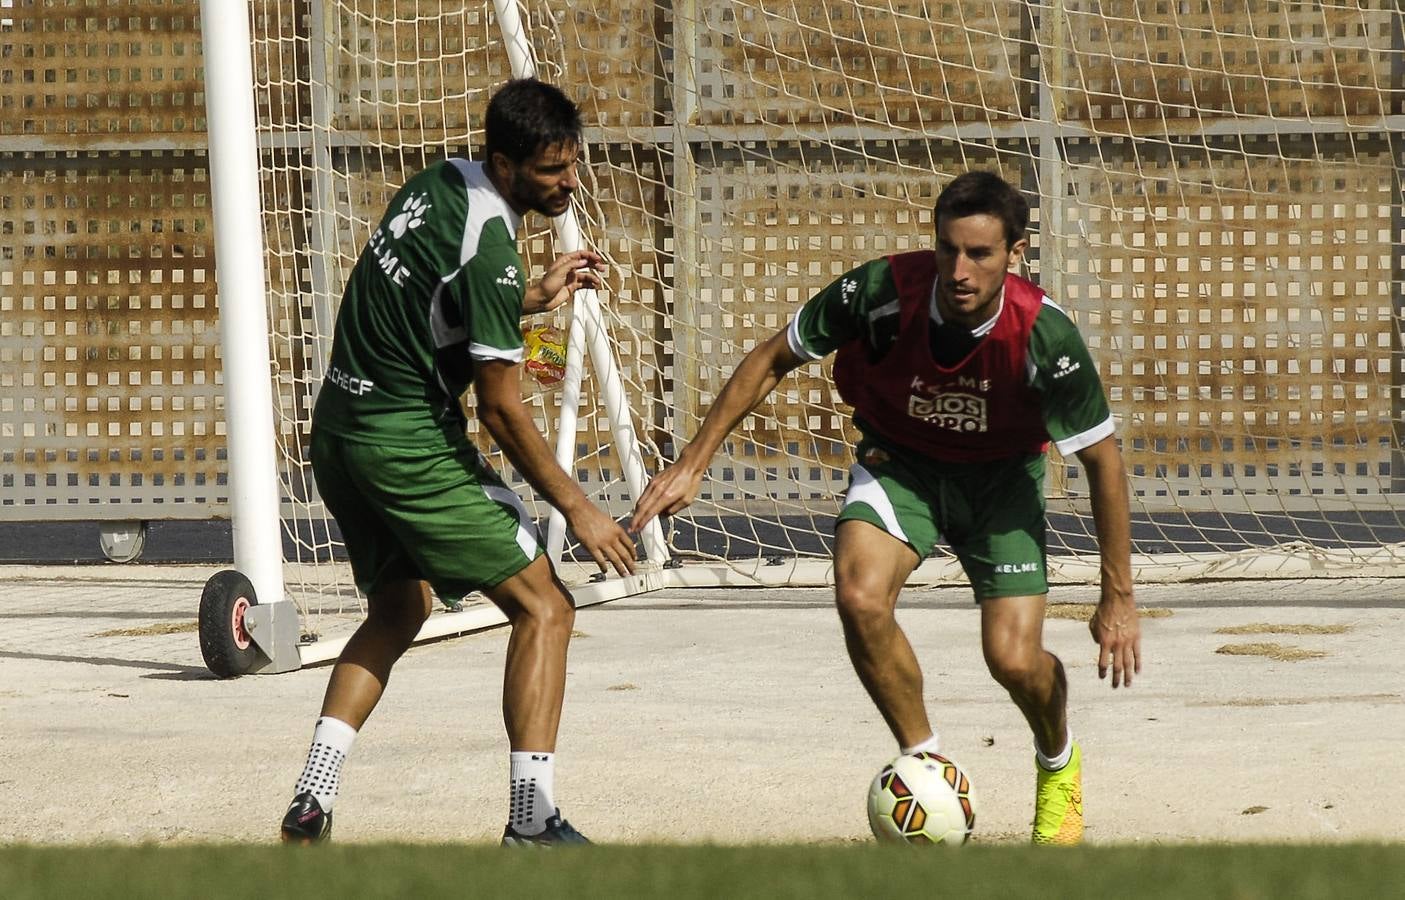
1085 439
483 351
1046 301
484 204
797 346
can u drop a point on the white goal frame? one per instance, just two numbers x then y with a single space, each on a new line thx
1061 145
253 474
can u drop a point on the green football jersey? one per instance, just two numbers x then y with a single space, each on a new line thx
863 304
439 285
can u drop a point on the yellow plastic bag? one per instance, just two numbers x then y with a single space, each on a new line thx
544 355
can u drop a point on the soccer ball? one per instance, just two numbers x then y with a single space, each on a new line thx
922 799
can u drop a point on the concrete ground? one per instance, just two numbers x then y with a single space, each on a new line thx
720 715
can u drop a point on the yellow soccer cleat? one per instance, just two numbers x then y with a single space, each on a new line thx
1058 804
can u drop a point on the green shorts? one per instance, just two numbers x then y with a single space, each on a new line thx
992 514
441 516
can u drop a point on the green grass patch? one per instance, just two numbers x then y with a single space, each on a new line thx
224 872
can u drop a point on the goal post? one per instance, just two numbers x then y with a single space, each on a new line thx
269 620
254 488
1216 196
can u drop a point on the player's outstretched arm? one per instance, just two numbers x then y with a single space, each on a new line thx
567 274
1114 625
500 409
755 378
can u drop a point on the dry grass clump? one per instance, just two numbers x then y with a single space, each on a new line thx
1267 628
152 630
1272 651
1082 612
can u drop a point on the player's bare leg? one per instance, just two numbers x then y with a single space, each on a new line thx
394 615
534 683
1012 633
1012 639
541 614
870 568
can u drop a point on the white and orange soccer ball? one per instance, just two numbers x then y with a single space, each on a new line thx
922 798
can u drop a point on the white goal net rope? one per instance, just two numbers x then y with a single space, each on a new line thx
1217 200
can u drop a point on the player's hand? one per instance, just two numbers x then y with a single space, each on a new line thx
669 491
602 537
567 274
1118 631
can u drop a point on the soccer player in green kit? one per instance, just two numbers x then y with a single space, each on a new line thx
960 373
432 307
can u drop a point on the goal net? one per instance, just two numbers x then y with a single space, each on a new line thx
1216 189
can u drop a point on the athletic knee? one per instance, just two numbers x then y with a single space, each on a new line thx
400 623
551 611
1019 670
863 609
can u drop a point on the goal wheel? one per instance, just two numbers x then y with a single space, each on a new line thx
225 642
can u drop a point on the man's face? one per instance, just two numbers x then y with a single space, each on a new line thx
972 259
543 182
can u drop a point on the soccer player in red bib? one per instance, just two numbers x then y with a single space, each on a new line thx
960 375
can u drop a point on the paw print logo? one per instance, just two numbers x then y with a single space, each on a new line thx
847 290
411 215
1066 366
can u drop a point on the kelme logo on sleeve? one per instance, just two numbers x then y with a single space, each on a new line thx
508 277
1066 367
411 215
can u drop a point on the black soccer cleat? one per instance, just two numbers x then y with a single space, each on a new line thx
558 831
305 822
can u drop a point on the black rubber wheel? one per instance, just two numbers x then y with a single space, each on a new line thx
225 642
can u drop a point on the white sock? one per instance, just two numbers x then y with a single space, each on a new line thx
928 746
1054 763
530 804
331 742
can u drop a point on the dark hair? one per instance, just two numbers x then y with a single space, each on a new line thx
525 116
976 193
